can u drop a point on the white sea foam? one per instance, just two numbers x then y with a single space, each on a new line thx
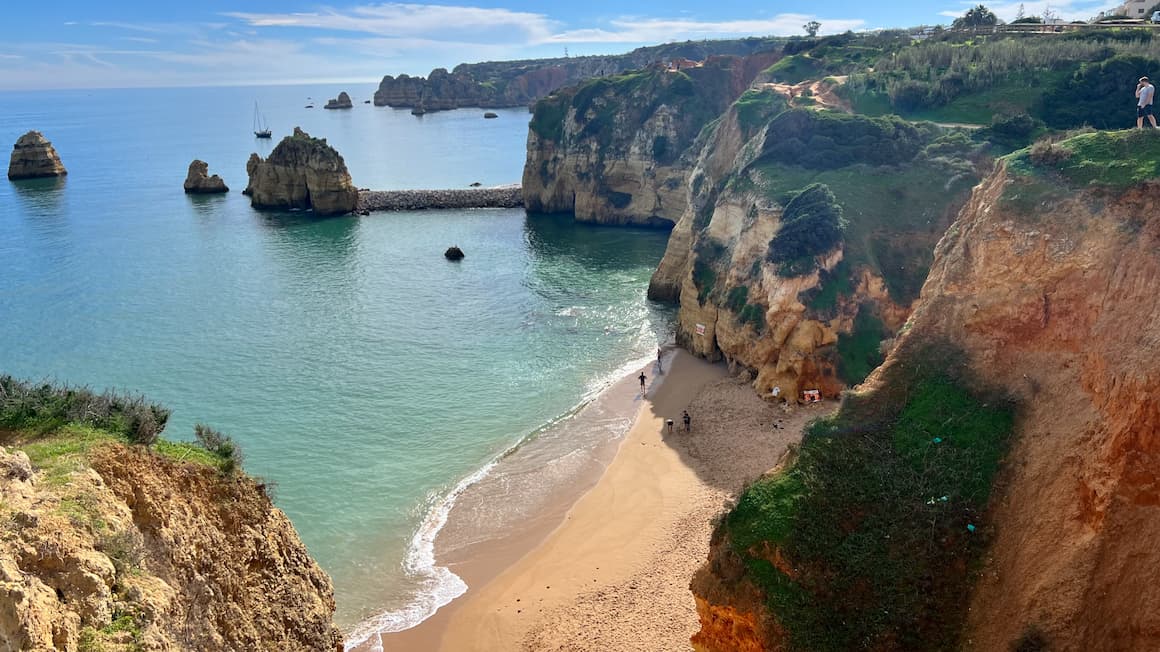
439 584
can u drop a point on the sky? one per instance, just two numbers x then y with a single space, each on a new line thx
143 43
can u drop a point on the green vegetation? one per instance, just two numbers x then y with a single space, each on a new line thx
1112 159
834 283
707 257
881 517
826 140
548 117
796 68
59 426
46 407
756 107
811 225
858 351
1098 94
894 215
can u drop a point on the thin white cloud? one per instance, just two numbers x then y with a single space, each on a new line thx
11 56
402 19
657 30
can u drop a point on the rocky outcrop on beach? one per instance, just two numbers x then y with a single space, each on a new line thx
138 552
409 200
33 157
612 150
497 84
301 173
341 102
1042 287
198 181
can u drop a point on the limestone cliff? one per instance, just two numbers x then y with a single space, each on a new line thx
130 550
815 322
610 151
1042 289
303 173
1049 288
198 180
33 157
497 84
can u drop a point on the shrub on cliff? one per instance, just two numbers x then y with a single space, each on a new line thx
827 140
811 225
223 446
1095 94
45 407
880 521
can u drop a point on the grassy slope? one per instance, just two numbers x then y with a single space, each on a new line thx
880 518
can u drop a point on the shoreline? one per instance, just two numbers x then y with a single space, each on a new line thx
476 562
613 573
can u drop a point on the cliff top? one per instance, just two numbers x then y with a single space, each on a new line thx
300 146
1110 159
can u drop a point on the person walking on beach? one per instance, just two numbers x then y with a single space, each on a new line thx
642 379
669 423
687 419
1145 94
660 361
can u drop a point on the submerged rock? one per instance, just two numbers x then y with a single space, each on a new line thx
453 253
302 172
490 114
343 102
198 181
33 156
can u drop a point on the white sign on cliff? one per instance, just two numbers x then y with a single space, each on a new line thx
700 329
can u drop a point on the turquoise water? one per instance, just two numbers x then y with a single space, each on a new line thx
361 372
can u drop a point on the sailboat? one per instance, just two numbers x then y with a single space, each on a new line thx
261 129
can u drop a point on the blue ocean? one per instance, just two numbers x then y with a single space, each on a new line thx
372 381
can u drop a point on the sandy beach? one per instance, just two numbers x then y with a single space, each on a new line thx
614 575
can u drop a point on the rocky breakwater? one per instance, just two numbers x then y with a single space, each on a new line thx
301 173
799 264
341 102
612 150
198 181
33 157
1040 295
120 548
408 200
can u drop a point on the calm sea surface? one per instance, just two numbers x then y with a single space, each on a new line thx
366 376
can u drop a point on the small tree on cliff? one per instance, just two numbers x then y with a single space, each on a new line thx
976 17
812 27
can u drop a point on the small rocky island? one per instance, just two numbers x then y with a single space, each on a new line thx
342 102
34 157
198 181
304 173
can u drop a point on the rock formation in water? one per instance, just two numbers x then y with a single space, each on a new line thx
198 181
342 102
131 550
33 156
303 173
453 253
1045 286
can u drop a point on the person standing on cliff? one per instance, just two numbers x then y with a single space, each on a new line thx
1145 94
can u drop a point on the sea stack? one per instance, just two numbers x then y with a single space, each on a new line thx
302 172
198 181
33 157
343 102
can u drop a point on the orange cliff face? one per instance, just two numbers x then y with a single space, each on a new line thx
1060 306
1056 302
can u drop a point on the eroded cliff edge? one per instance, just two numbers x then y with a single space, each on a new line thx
108 545
1035 531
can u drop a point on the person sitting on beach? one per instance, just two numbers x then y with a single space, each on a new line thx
687 419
